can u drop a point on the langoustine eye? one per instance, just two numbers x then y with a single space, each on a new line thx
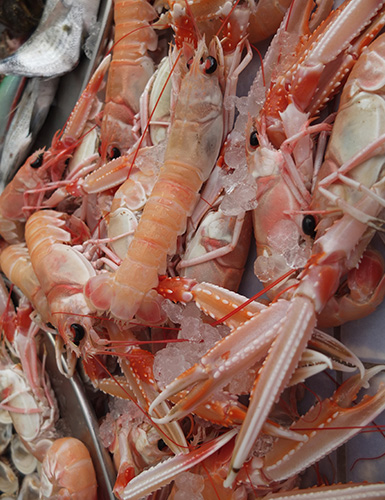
38 162
308 225
79 332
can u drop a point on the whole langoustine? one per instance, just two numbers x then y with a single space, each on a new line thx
62 272
193 146
131 67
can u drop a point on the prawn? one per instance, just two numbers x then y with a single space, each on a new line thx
130 70
62 271
68 472
193 146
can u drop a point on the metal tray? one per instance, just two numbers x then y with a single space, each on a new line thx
80 419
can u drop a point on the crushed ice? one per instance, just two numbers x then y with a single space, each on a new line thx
239 186
174 359
128 413
189 485
284 238
92 40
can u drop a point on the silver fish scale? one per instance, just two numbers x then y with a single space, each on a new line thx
29 117
54 48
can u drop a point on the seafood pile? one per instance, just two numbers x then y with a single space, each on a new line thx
128 235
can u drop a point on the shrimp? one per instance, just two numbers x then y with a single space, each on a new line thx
16 264
25 392
68 472
216 244
62 271
194 143
129 73
279 141
225 25
335 251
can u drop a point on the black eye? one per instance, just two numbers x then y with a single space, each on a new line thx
78 332
189 63
308 225
161 445
38 162
210 65
254 142
115 153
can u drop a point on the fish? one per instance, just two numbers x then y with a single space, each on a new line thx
54 48
30 115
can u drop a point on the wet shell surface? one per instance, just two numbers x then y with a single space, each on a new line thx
9 482
21 457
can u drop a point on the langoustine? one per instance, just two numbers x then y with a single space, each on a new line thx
292 320
27 395
356 490
131 67
173 197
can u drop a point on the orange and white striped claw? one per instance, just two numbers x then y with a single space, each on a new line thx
349 491
237 352
327 425
163 473
233 309
229 307
140 386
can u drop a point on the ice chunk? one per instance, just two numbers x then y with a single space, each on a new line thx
174 359
169 364
107 430
235 153
92 40
189 485
173 311
285 238
120 407
241 199
266 268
